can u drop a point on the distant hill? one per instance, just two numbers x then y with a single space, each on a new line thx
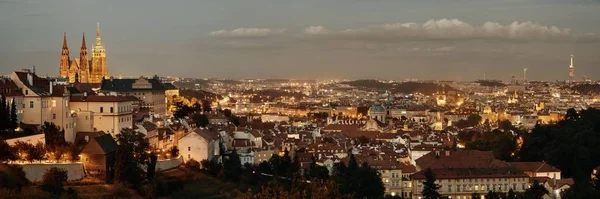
404 87
490 83
200 95
587 89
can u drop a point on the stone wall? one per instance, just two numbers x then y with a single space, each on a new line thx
35 172
162 165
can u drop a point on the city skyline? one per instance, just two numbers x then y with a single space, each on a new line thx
357 40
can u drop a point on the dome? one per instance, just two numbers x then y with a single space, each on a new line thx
377 108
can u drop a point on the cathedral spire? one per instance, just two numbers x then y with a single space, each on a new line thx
65 46
83 46
98 39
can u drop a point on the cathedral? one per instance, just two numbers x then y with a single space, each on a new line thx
82 69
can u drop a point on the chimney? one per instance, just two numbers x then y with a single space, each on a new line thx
51 87
30 79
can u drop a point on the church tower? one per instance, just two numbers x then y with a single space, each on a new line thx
572 70
83 62
64 59
99 69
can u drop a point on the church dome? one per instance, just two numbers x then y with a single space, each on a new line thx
377 108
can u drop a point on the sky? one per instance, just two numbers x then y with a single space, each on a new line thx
311 39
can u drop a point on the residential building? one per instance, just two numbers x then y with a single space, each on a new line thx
109 114
199 145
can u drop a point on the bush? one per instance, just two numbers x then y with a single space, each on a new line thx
192 164
54 180
162 186
12 177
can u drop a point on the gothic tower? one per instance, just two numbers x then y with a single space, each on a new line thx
64 59
99 69
83 62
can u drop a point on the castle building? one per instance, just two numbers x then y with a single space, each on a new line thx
82 69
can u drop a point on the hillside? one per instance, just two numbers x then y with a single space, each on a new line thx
404 87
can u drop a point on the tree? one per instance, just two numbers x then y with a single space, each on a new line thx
4 114
492 195
181 110
200 120
232 167
130 154
127 170
53 180
297 189
6 153
505 125
54 136
13 122
206 106
430 188
317 171
35 152
197 107
151 167
535 191
572 145
174 151
227 113
597 181
369 183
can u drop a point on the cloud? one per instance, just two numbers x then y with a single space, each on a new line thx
316 30
247 33
452 29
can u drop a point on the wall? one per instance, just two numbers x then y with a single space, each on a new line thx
32 139
162 165
35 172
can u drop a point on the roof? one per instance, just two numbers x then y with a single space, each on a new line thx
41 86
170 86
460 159
534 167
206 134
9 88
377 108
103 144
127 84
107 143
461 173
100 98
82 135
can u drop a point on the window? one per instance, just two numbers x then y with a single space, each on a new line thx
449 188
111 110
189 148
53 103
189 156
26 92
54 116
30 104
101 109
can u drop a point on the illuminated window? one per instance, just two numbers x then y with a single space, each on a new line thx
53 103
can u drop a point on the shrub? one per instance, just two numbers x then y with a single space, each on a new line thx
12 177
192 164
54 180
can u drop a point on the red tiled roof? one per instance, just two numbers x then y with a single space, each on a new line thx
534 167
100 98
460 159
461 173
